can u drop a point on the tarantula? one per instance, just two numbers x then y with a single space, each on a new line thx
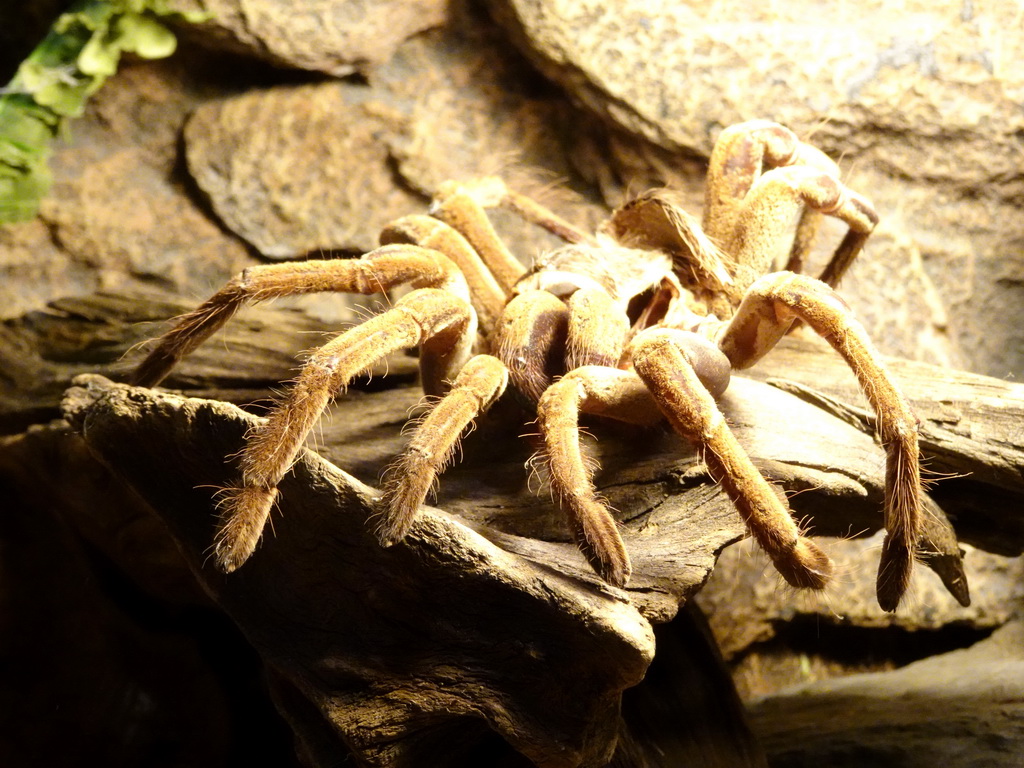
641 322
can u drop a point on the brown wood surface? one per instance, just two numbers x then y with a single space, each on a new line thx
490 612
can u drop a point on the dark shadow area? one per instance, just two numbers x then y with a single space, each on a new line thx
867 647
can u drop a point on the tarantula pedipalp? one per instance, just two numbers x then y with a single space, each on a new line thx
641 322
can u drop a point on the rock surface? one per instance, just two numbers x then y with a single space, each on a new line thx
855 76
336 38
262 160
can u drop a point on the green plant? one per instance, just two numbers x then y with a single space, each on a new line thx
80 52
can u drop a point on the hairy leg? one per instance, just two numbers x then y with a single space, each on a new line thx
408 481
600 391
531 340
669 363
488 296
377 271
272 447
492 192
742 153
597 329
462 206
773 207
737 211
772 304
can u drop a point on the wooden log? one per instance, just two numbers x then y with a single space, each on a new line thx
498 540
398 650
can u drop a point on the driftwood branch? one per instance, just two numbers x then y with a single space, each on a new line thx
386 654
398 649
489 614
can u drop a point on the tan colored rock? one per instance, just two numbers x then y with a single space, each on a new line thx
997 586
474 109
337 37
860 79
301 169
294 170
118 217
114 217
942 277
36 269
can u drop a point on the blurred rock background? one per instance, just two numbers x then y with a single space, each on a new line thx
292 131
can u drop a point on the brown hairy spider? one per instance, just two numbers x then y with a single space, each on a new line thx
641 322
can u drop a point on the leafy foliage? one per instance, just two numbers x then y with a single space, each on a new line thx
80 52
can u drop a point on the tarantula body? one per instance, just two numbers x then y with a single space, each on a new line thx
642 322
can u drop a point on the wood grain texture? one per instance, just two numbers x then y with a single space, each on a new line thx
489 612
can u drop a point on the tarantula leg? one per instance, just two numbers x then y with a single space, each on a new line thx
741 161
770 306
428 232
272 447
492 192
803 239
742 153
773 208
665 360
459 206
597 329
601 391
531 341
376 271
862 218
536 213
408 481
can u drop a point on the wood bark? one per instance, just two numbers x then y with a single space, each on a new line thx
409 644
487 624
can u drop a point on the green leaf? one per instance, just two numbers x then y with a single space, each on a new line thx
99 57
21 191
81 51
145 36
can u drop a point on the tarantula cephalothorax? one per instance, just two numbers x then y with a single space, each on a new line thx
641 322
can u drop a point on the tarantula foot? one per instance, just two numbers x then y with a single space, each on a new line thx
396 508
806 566
615 574
611 563
388 533
894 569
244 513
